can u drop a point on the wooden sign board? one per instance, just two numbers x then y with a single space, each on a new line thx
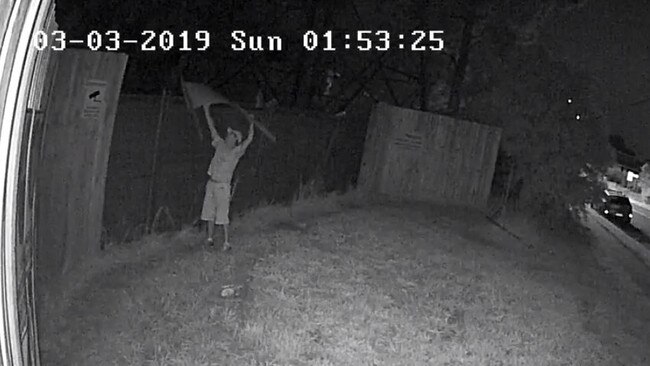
79 117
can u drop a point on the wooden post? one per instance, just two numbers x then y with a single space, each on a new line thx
154 162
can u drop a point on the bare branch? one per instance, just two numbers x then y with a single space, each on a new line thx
233 75
452 58
357 74
403 73
356 13
267 83
390 89
530 31
460 17
398 80
478 36
362 85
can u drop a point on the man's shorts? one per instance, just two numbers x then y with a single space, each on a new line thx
216 204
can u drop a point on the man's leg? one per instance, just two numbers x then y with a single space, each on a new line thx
208 213
211 232
222 195
226 243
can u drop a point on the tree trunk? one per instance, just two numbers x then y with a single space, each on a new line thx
389 87
461 65
302 67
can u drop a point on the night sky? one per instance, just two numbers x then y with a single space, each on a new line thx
611 41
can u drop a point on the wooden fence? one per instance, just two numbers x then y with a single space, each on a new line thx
428 157
269 172
78 127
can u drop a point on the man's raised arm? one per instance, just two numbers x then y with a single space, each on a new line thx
213 130
249 138
241 149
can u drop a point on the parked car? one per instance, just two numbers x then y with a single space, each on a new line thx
614 205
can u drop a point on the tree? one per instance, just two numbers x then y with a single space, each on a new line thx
618 143
645 179
548 146
645 171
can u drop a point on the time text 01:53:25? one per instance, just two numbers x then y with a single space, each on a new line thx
361 40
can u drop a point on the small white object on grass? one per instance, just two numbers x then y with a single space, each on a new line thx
230 291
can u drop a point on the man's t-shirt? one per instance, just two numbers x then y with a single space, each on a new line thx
224 161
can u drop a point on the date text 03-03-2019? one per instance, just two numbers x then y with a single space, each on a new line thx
361 40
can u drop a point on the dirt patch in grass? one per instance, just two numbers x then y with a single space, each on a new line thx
370 285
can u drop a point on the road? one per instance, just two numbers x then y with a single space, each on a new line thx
640 225
639 228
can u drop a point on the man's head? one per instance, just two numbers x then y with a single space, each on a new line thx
233 138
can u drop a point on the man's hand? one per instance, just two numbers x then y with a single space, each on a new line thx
213 130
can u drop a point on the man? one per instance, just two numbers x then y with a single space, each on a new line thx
216 205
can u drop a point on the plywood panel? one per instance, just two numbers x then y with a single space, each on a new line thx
420 181
432 157
476 158
449 158
404 153
489 163
435 167
370 168
469 160
455 182
79 122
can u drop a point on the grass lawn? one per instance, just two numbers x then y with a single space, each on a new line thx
372 285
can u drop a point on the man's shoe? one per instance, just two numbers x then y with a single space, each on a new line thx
226 246
210 242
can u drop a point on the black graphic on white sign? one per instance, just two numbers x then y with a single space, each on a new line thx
94 103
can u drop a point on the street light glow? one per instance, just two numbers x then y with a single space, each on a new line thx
569 101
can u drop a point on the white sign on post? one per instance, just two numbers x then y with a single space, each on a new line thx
94 100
